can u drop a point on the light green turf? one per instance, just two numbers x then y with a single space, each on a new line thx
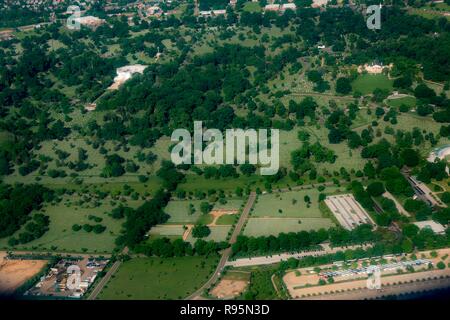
268 205
273 226
218 233
252 7
179 211
408 101
366 83
61 235
167 231
232 204
226 219
159 278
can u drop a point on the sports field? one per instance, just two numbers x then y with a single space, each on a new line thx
366 83
273 226
159 278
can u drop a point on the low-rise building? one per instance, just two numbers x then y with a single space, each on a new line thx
272 7
288 6
89 21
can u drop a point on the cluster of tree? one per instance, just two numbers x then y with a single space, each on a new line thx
422 239
201 231
170 175
33 230
433 170
139 222
164 247
303 240
17 202
97 228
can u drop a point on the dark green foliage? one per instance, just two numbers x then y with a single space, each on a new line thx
200 231
16 204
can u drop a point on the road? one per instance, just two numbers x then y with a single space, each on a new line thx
429 284
262 260
96 291
227 252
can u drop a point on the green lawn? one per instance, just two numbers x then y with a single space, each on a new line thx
231 204
408 101
226 219
252 7
170 231
159 278
179 211
273 226
218 233
291 204
366 83
61 235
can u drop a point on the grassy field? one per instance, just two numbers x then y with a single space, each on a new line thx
169 231
159 278
408 101
252 7
366 83
179 211
61 237
218 233
273 226
226 219
291 204
232 204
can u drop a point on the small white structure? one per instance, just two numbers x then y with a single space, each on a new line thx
89 21
430 224
374 68
288 6
154 11
319 3
272 7
125 73
440 153
209 13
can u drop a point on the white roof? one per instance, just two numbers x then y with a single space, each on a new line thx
289 6
272 7
433 225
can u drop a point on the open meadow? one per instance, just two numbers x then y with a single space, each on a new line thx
159 278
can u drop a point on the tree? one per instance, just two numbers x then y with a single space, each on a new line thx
445 196
376 189
410 157
343 86
200 231
247 169
205 207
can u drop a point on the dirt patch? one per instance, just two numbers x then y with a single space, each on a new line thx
14 273
227 288
218 213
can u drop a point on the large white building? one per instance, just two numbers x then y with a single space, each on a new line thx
89 21
125 73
